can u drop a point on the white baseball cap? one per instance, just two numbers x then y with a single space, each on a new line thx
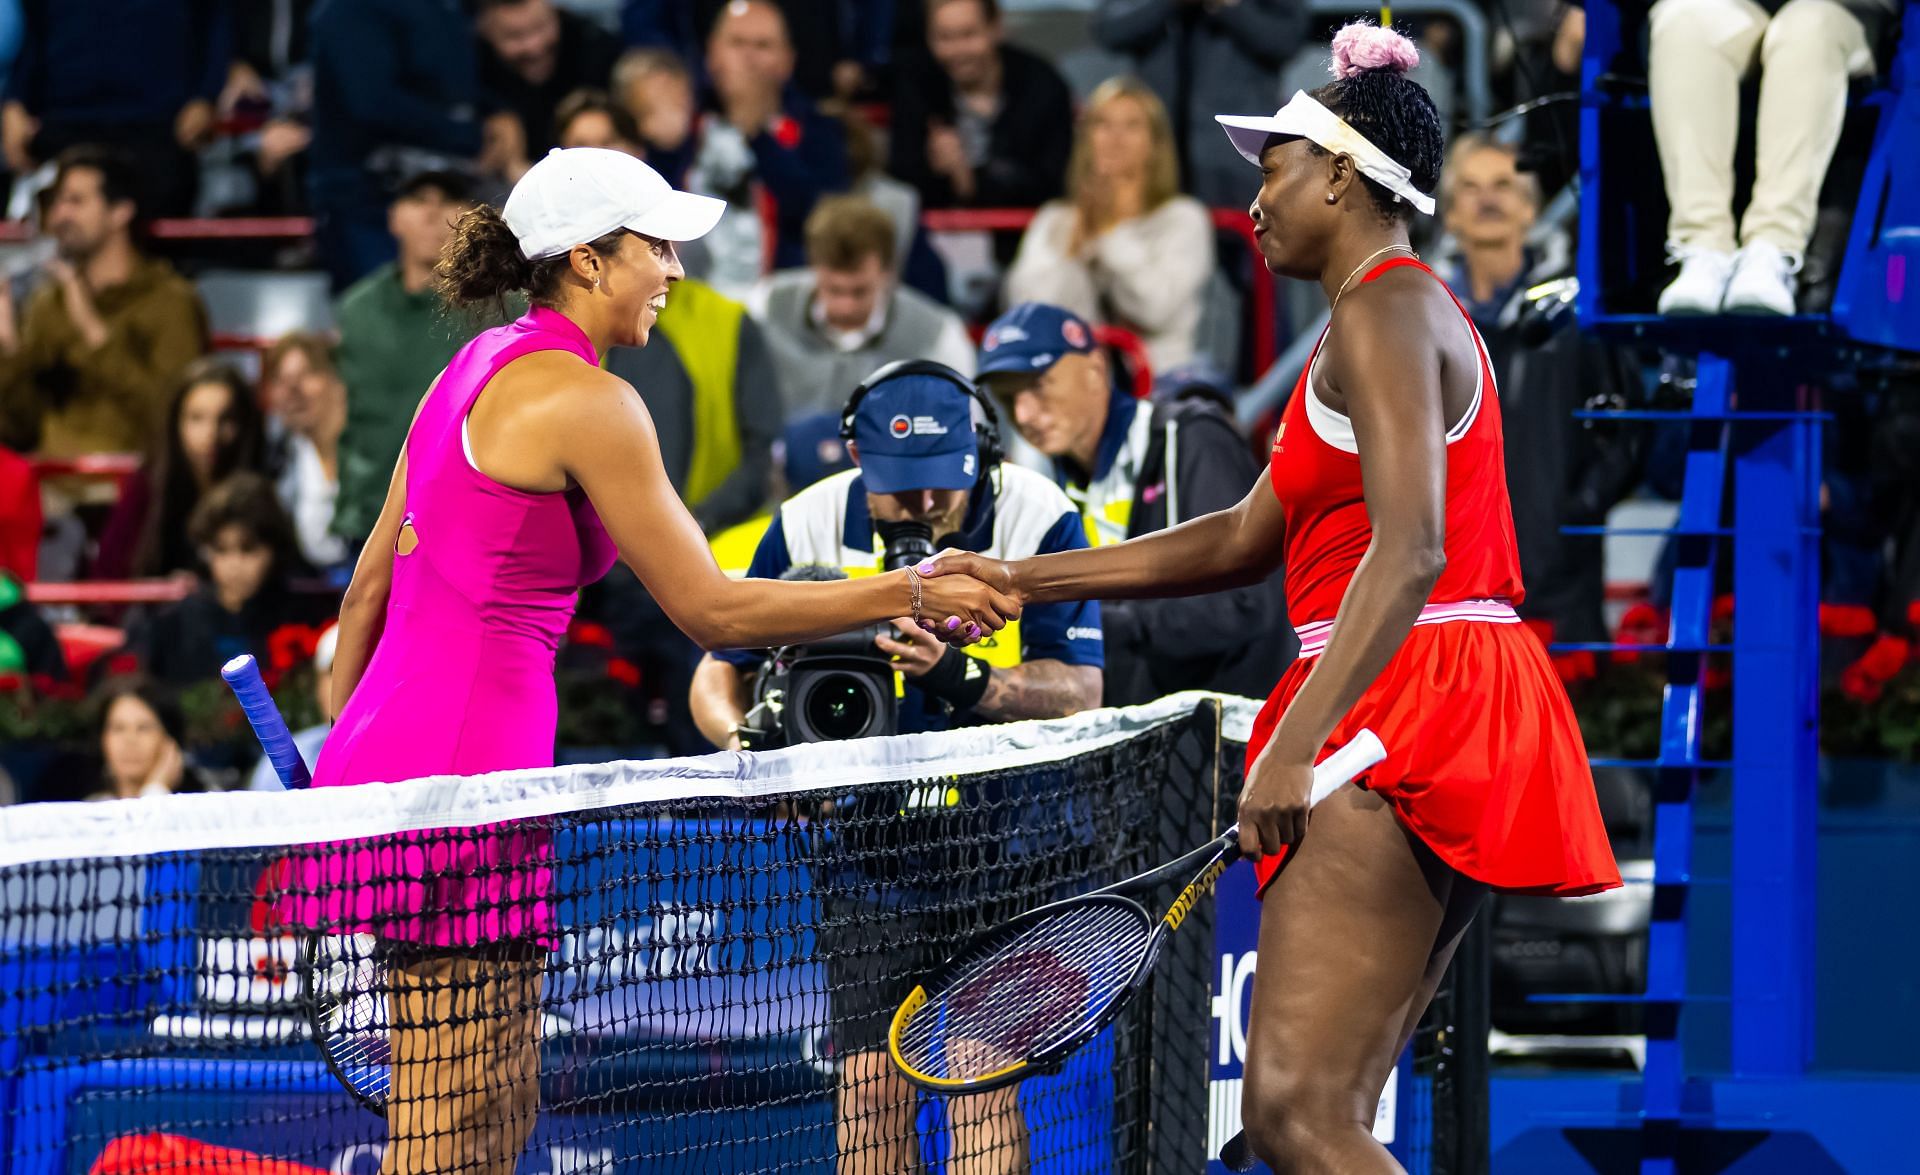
580 194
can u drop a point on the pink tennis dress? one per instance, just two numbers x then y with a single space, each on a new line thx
461 682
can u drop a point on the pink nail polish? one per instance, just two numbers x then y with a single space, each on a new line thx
953 622
925 568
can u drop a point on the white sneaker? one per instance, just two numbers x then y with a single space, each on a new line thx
1702 282
1762 281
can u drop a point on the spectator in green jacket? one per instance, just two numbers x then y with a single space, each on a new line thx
395 336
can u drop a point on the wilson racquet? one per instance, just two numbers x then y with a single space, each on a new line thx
1020 998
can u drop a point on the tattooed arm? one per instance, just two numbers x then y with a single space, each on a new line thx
1040 689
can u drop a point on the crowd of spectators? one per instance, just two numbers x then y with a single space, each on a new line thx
834 132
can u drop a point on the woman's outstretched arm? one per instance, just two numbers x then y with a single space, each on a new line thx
1226 549
611 450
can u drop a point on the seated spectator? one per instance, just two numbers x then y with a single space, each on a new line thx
138 77
315 411
762 141
833 323
1202 58
1698 51
141 732
941 481
839 45
533 55
269 89
396 91
1125 246
589 118
655 87
395 336
915 261
1132 468
88 366
212 431
978 122
1561 471
248 552
308 739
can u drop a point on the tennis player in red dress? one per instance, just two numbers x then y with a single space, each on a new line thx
1386 502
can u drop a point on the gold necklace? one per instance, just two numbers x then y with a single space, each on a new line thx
1363 265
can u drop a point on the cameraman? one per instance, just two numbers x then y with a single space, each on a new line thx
912 436
924 471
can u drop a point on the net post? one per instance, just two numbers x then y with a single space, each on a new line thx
1173 1118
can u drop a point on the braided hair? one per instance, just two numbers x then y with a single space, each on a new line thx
1372 92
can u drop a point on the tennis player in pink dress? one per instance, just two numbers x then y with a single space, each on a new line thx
526 472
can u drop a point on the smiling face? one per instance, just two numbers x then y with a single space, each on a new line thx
526 36
1292 218
636 279
964 39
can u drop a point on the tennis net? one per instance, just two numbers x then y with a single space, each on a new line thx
677 965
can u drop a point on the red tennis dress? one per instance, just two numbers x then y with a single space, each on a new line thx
1484 759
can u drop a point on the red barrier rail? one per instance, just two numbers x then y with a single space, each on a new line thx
110 591
87 465
224 228
1133 351
1261 304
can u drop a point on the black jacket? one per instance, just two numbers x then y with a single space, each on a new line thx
1561 471
587 53
1235 642
1027 151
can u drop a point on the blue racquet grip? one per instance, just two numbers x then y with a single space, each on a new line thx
243 675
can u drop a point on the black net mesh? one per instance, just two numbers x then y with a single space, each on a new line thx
688 985
693 985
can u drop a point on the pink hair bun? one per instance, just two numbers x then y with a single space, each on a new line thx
1360 47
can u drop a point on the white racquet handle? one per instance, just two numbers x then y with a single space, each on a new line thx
1336 769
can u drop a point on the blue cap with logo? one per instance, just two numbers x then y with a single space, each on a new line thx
1032 337
915 432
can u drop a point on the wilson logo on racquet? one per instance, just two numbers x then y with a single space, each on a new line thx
1183 905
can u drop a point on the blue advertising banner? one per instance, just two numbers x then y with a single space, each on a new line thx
1236 936
686 961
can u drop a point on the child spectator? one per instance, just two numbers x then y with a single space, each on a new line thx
247 548
655 87
590 118
213 430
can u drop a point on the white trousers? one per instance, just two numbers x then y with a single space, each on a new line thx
1700 49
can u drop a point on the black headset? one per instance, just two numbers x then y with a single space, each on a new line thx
986 432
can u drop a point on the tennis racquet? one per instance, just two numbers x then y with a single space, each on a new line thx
342 982
1020 998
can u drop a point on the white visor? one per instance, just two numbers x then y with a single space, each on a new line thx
581 194
1305 118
